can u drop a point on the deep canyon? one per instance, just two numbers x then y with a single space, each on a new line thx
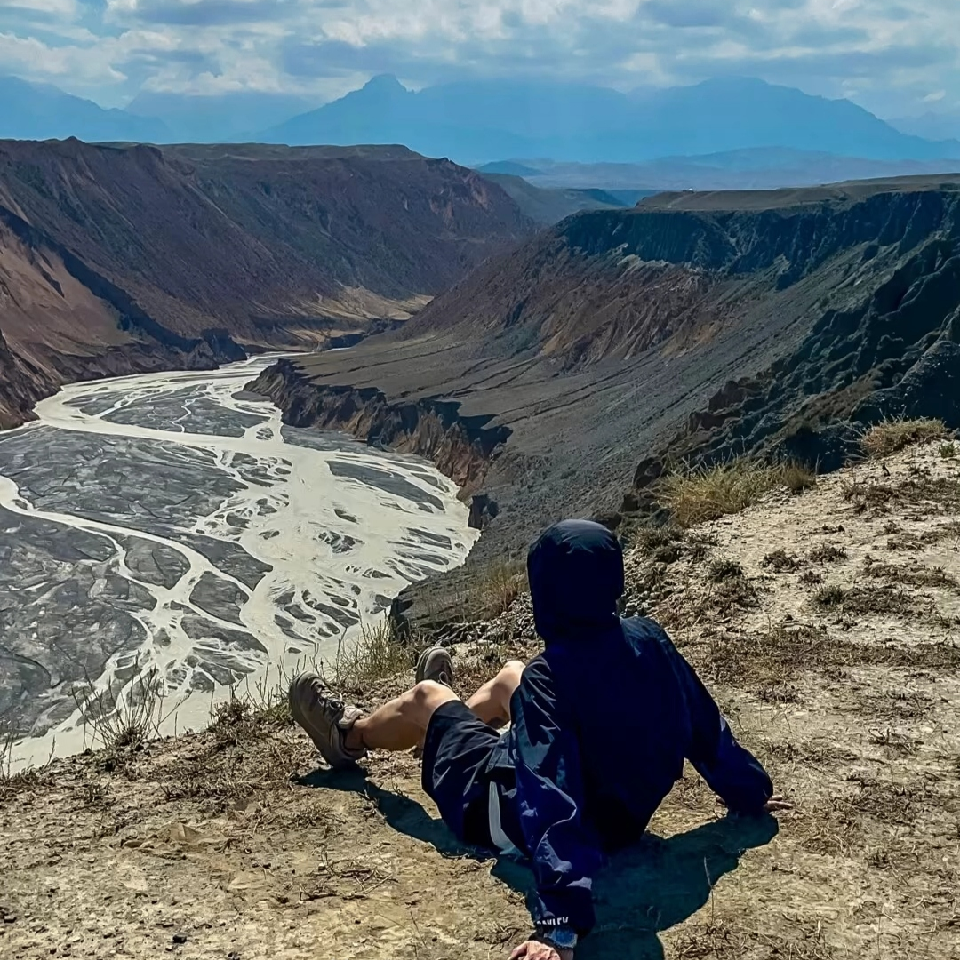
543 374
564 377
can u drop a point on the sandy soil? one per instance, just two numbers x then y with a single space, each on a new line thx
826 624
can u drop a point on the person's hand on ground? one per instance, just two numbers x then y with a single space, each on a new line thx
534 950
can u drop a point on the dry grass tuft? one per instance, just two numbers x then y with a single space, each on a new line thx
796 477
780 561
496 588
827 553
651 538
724 569
916 575
376 655
948 451
769 662
888 437
880 601
730 590
868 496
916 491
12 783
697 494
121 722
662 544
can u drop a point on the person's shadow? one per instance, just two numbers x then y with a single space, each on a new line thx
648 887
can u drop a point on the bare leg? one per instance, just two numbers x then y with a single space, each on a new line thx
491 703
402 723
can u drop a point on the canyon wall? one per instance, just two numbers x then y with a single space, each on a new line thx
691 327
126 259
460 447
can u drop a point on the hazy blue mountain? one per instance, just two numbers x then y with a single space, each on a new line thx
218 118
487 120
760 168
438 121
933 126
508 168
734 114
33 111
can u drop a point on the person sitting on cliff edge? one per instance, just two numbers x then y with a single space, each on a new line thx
599 726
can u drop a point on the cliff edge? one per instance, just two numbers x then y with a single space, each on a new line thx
693 327
825 623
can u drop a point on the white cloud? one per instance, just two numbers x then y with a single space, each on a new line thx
65 9
67 65
887 54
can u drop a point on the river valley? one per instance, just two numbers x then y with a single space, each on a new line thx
169 526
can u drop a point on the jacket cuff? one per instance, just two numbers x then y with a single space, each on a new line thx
566 912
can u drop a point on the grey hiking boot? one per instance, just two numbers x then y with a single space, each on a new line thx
436 664
325 718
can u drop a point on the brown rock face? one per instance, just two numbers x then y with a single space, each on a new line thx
432 429
694 325
124 259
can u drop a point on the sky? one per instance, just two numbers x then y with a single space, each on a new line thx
895 57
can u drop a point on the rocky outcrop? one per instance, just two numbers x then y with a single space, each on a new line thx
460 447
20 388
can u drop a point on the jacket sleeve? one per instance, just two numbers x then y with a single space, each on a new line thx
564 851
730 770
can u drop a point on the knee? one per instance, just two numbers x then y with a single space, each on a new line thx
513 670
425 692
424 699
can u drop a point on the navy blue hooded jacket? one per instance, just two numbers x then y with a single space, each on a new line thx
601 724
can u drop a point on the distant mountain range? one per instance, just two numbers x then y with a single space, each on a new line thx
34 111
488 120
720 129
218 118
933 126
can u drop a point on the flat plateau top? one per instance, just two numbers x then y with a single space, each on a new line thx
752 200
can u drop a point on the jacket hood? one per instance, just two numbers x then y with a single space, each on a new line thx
575 570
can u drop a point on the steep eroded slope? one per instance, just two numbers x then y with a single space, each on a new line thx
721 317
170 257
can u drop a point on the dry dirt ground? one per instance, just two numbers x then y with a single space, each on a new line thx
826 623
